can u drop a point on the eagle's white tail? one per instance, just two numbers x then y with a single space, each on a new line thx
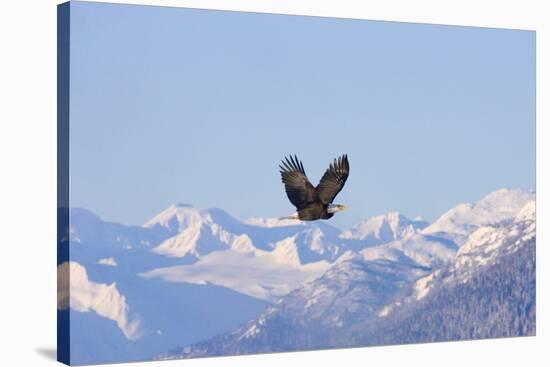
293 216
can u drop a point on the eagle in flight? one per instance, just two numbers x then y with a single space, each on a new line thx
314 203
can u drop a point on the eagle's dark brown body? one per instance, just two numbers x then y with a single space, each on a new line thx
313 203
315 211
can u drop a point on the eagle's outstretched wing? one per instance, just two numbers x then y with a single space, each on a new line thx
299 190
333 180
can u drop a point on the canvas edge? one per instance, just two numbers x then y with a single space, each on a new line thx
63 99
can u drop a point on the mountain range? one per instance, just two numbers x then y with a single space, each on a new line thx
281 285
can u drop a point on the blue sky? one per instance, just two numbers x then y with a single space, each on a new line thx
179 105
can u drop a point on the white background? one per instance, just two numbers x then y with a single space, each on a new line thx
28 181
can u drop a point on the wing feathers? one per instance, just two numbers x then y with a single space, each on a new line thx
299 190
333 180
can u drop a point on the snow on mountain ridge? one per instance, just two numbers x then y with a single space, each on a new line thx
177 217
78 292
197 232
423 250
482 248
273 222
528 212
202 238
384 228
498 206
390 237
228 255
286 252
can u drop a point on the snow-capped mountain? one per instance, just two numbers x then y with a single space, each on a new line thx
198 232
134 318
261 257
423 250
459 222
482 249
313 243
180 260
365 298
437 243
486 291
285 285
384 228
176 218
262 261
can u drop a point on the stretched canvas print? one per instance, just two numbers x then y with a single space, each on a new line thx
234 183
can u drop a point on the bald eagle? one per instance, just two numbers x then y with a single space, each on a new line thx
314 203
